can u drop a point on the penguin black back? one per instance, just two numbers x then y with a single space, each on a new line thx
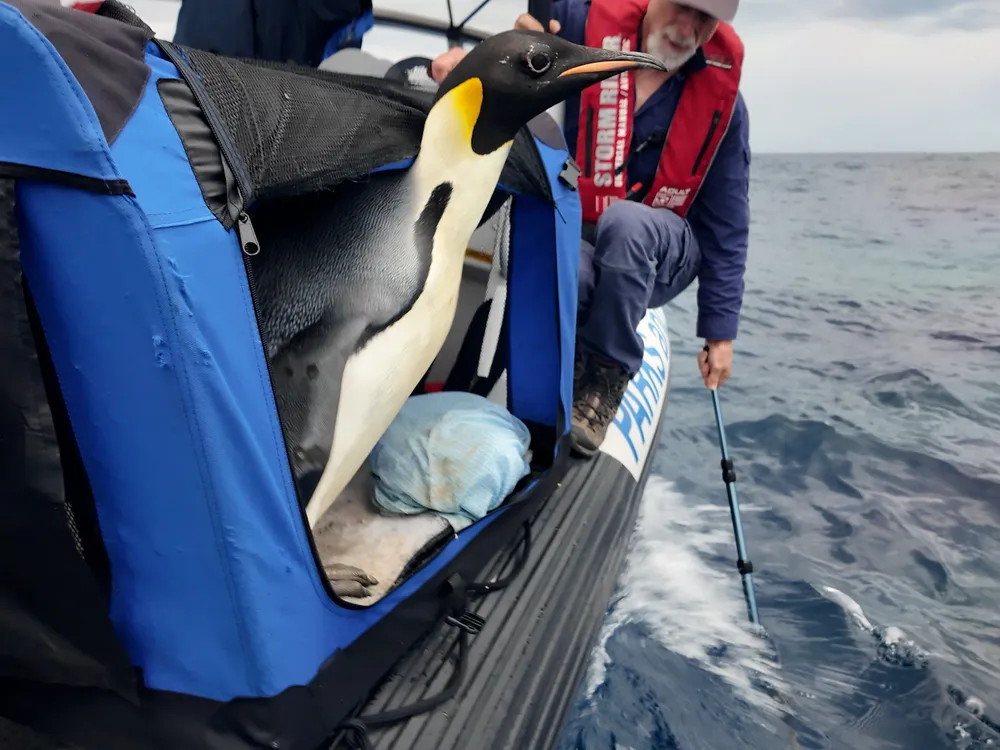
335 268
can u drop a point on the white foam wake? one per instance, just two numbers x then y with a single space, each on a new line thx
691 605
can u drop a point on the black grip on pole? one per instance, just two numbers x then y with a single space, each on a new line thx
728 471
541 10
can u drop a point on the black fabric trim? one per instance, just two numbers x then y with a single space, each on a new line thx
77 493
106 57
216 183
80 717
69 179
54 628
234 166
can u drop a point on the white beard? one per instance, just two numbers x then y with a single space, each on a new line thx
657 45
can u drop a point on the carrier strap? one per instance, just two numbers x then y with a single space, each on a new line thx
496 289
489 587
354 731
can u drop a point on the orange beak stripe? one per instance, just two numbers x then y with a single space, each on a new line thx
600 67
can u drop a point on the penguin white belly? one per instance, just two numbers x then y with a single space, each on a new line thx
379 379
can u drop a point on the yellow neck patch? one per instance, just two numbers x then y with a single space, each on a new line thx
467 101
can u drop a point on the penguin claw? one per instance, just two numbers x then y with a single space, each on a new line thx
350 589
347 580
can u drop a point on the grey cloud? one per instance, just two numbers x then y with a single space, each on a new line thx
948 13
960 14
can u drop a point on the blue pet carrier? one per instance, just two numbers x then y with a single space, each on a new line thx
147 393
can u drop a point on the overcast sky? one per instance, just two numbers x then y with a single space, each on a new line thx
820 75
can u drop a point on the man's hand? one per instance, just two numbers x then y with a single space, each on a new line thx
528 22
715 362
444 63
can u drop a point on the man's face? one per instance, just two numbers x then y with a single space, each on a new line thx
674 31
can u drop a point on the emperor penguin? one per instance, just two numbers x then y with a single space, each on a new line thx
357 287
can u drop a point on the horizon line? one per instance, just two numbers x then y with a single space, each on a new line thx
874 153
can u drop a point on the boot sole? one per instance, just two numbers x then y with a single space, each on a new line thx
583 450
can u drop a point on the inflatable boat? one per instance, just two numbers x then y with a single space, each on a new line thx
161 584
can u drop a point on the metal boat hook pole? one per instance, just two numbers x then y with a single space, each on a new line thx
743 563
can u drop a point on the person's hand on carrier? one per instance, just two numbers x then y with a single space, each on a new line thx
528 22
444 63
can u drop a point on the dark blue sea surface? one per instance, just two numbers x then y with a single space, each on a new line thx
864 419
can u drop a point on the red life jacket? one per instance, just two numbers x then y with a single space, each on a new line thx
87 6
702 117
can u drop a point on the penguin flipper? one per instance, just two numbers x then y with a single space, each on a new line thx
307 383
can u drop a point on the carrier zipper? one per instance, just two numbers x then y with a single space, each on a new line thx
588 144
250 246
248 239
236 179
716 116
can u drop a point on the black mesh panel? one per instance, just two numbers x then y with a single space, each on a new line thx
291 133
287 130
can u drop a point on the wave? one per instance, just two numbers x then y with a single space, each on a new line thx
690 605
836 452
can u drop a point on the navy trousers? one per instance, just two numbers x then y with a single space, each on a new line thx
641 258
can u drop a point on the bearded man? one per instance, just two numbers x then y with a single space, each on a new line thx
664 187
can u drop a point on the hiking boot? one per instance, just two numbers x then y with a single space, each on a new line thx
597 393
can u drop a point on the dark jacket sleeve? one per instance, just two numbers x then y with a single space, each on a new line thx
720 219
278 30
224 27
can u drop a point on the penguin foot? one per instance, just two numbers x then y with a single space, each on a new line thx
347 580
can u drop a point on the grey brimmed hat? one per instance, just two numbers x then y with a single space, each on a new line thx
723 10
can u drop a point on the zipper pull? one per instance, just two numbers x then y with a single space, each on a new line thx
248 238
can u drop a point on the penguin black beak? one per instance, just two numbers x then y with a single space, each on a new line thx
605 63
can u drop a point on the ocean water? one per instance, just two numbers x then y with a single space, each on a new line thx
863 416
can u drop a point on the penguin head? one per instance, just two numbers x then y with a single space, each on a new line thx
512 77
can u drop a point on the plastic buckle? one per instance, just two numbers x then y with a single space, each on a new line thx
470 622
570 174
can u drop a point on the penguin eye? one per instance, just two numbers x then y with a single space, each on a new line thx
537 61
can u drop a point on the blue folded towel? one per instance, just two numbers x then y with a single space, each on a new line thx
452 453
